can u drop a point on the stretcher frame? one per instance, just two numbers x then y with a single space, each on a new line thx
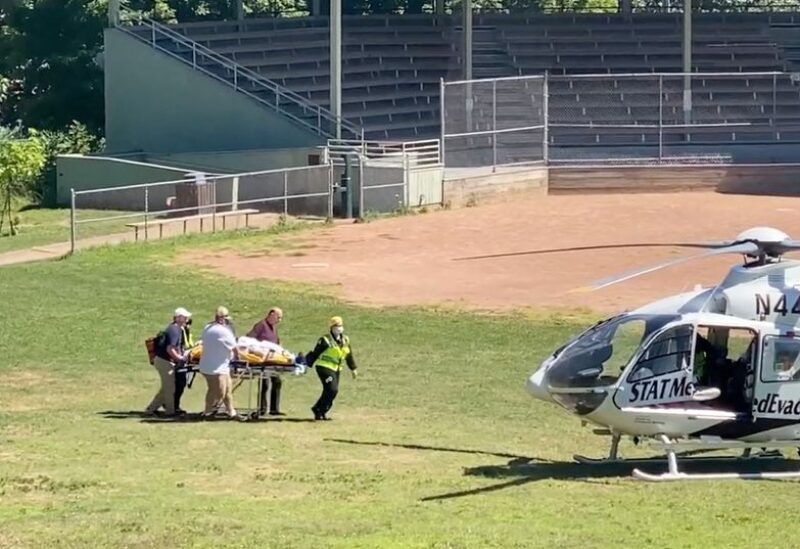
241 372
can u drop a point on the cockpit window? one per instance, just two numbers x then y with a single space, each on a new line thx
667 353
598 356
596 359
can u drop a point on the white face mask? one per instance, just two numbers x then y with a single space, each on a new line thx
337 331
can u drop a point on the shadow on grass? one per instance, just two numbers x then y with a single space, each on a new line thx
587 248
521 472
196 418
431 448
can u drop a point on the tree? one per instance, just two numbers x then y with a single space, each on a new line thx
49 48
276 8
4 85
21 161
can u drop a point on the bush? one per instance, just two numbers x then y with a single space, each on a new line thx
21 162
76 139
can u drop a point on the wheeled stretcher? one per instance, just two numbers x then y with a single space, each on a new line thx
257 361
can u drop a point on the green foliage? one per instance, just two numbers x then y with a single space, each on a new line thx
76 139
21 161
4 86
158 10
49 49
172 11
276 8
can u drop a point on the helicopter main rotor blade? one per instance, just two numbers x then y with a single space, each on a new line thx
743 248
788 245
702 245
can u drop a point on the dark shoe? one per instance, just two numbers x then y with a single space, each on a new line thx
317 415
276 413
180 412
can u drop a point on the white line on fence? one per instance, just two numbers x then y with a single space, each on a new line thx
493 132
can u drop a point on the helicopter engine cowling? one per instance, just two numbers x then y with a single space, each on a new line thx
767 293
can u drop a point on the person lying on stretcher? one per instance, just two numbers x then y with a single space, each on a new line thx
257 353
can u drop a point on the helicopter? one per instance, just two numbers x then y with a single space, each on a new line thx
711 369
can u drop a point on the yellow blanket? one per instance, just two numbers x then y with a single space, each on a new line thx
254 357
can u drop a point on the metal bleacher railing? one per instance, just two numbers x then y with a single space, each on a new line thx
421 153
241 79
584 7
524 120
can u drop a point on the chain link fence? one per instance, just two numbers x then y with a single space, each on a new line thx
495 122
615 117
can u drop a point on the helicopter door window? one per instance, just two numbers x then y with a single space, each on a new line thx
776 394
781 360
668 353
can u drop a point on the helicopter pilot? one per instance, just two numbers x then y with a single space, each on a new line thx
786 365
712 369
705 355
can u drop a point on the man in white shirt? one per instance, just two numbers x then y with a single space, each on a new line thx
219 347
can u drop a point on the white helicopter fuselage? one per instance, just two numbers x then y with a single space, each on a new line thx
656 389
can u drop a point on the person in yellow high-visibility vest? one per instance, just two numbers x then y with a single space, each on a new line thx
331 352
181 371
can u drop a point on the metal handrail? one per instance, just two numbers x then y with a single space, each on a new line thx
206 178
196 46
613 75
428 151
239 71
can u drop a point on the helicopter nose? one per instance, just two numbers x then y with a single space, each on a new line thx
536 385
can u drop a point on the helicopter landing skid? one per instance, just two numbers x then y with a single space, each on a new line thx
670 447
613 455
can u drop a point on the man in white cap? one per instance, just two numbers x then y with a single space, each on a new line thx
219 347
169 355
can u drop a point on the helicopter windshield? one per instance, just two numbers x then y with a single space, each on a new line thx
597 357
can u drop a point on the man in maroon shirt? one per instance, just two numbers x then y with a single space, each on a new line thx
267 330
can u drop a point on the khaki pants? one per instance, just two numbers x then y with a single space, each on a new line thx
166 395
220 390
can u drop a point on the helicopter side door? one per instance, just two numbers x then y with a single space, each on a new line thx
777 385
663 371
687 358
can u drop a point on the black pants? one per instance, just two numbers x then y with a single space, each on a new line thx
330 388
180 385
273 385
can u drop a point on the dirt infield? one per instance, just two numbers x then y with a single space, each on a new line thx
417 260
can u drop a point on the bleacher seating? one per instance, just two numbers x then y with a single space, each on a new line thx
761 109
390 74
392 66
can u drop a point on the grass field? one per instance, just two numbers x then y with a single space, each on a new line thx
41 226
435 445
